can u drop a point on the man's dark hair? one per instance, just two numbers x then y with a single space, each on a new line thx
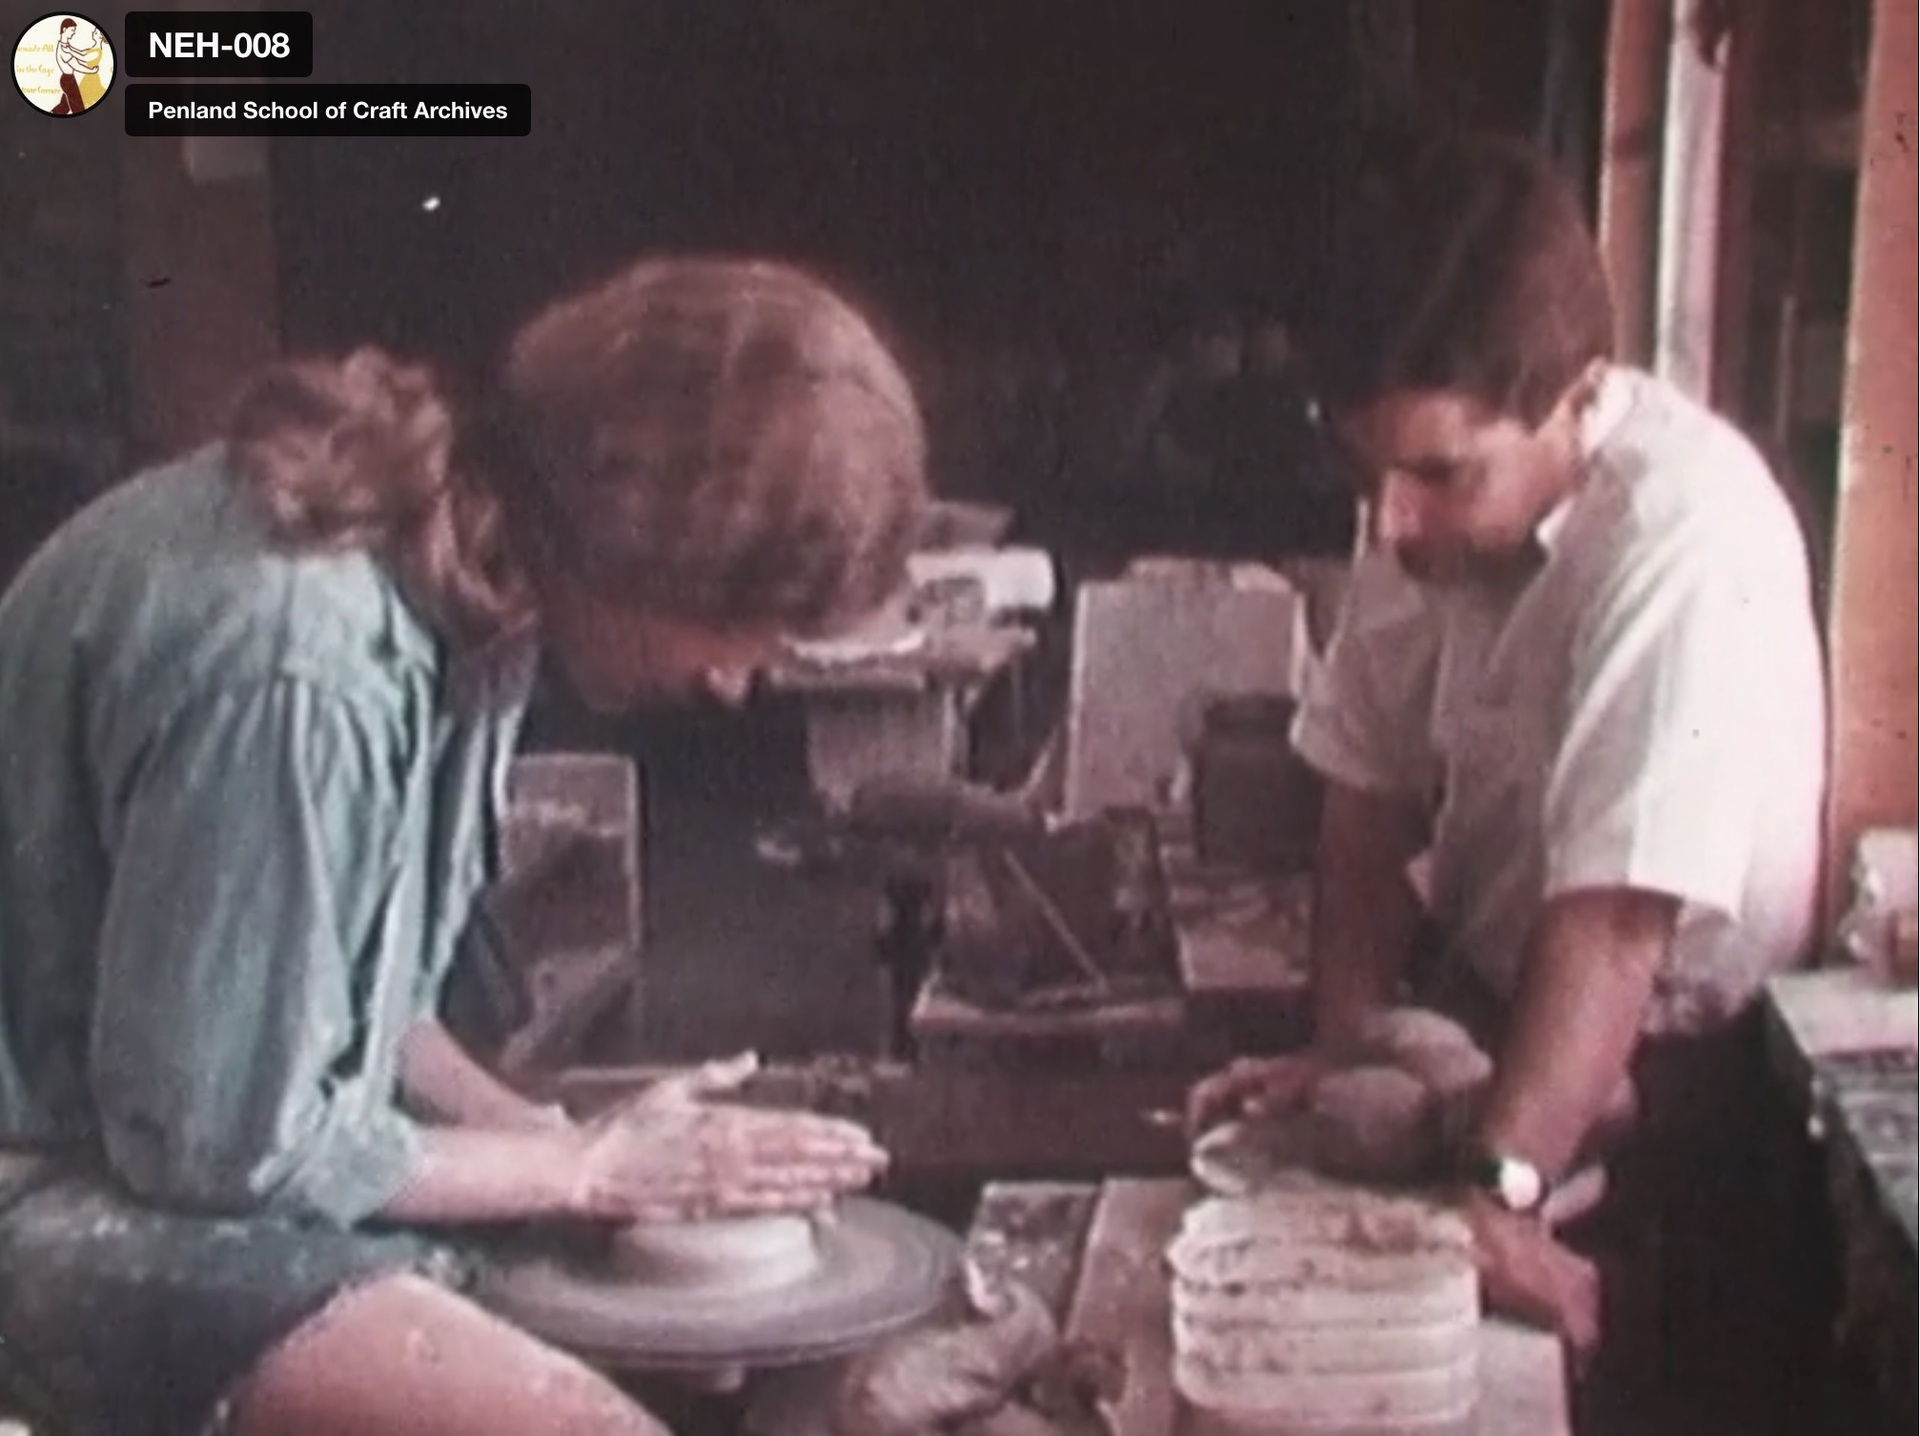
69 23
1471 268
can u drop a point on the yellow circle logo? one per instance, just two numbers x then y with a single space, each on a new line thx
63 63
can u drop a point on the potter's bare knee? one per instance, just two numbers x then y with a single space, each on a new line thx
403 1355
583 1401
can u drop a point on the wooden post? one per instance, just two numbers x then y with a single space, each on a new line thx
1739 184
1874 635
1637 46
1690 209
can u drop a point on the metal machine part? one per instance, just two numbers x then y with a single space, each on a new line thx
1072 918
1011 908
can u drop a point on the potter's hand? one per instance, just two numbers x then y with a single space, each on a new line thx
674 1155
1526 1274
1254 1087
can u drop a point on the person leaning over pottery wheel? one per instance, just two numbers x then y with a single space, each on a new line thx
257 707
1579 671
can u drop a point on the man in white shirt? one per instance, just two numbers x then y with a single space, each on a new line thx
1576 688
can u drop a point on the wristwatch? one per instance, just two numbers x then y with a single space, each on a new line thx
1513 1182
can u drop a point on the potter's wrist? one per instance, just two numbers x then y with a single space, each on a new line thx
590 1192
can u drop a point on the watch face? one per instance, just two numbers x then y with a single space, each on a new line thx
1518 1184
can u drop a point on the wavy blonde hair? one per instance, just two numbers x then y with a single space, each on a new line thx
722 441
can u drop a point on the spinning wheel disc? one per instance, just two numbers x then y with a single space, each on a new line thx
877 1268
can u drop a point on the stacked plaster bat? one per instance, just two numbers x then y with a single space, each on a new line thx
1310 1309
1308 1304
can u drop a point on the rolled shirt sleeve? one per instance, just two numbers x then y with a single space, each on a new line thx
1363 716
471 799
1656 782
252 965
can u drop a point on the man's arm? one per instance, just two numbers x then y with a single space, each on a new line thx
1365 911
1363 922
1362 726
1587 979
1652 803
1590 970
442 1083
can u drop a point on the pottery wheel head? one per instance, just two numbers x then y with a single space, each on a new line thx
763 1291
739 1255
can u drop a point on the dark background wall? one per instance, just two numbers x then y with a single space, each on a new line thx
1018 190
63 373
986 168
1022 193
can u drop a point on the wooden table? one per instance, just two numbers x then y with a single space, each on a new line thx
1093 1252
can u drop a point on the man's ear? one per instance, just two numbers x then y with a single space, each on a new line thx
1584 391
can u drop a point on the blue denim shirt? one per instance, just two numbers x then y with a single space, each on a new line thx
242 826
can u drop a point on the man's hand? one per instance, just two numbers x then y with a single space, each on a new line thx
1526 1274
673 1155
1254 1087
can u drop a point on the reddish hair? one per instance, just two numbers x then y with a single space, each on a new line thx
723 441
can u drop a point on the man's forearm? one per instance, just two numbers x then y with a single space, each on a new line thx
443 1083
1365 912
1576 1019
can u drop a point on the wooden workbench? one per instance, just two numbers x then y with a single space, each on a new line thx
1093 1252
1241 958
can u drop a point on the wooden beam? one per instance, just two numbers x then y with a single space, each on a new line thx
1691 180
1874 632
1639 36
1739 176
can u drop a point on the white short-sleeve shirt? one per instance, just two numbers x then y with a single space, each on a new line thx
1647 710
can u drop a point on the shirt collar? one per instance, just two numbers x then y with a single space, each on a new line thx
1603 418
